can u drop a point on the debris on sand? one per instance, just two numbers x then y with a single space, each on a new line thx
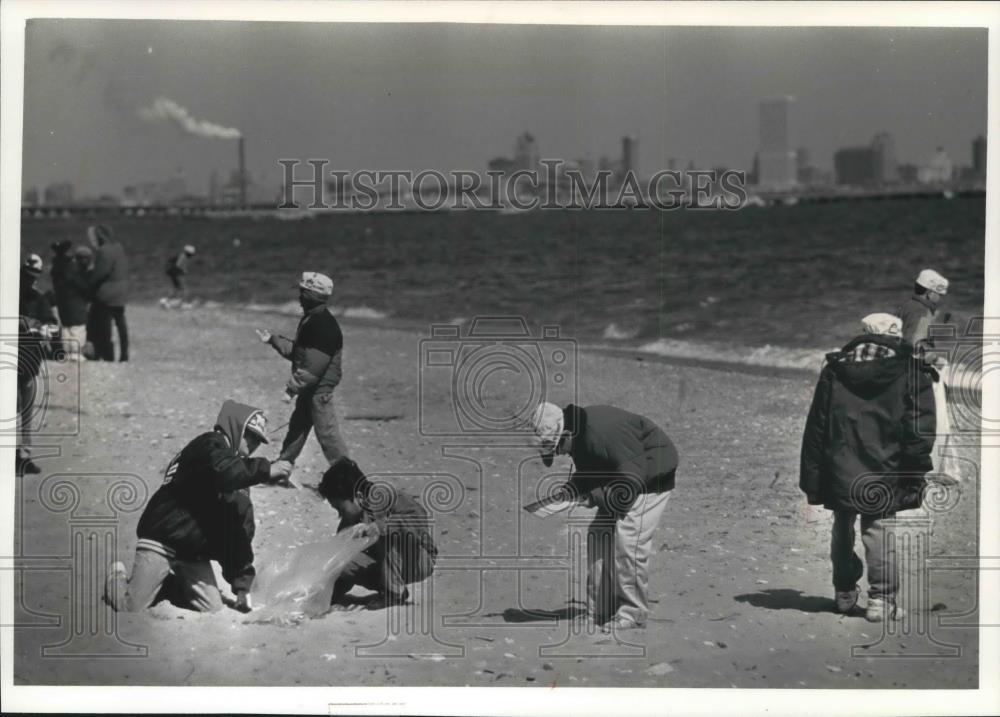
663 668
834 668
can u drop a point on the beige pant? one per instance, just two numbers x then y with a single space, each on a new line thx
74 338
189 584
943 462
618 553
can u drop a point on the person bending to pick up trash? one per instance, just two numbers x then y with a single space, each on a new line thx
866 450
404 553
315 354
625 464
202 512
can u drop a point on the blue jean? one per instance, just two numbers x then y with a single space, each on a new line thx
880 554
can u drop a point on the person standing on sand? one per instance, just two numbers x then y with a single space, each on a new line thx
36 326
202 512
69 280
177 269
404 553
109 286
866 450
626 465
315 354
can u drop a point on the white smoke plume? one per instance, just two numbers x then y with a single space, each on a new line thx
166 109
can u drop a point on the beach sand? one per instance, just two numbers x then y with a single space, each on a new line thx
740 578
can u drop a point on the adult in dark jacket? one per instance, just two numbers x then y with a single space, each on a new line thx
109 287
72 289
625 465
37 326
919 311
404 552
202 512
315 354
866 450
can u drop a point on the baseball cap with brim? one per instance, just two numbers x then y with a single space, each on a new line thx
932 281
882 324
257 425
317 283
547 424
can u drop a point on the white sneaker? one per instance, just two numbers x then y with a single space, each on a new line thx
881 610
846 599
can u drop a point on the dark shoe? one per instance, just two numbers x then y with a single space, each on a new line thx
27 467
846 599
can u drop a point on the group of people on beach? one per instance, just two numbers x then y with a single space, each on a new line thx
876 411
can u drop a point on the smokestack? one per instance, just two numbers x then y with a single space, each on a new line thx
242 169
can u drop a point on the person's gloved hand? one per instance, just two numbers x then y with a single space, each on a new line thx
243 602
264 335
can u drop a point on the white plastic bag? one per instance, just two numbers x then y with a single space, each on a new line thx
300 584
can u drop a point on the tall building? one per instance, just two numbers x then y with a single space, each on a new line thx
856 166
777 156
938 170
979 157
59 194
526 152
886 170
630 155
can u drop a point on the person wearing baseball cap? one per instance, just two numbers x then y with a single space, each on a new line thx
315 353
37 324
202 512
626 465
866 450
920 310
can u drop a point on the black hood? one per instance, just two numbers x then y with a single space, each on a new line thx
871 375
232 422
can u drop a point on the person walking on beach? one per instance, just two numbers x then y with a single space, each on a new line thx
866 451
109 287
625 464
918 314
202 512
404 553
37 325
315 354
177 269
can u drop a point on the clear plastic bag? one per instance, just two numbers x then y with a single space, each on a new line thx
300 584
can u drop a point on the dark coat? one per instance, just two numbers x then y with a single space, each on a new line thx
34 311
316 353
109 277
868 438
203 509
72 288
618 455
917 313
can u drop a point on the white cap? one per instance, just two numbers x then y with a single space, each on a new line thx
320 283
883 324
189 249
33 264
932 281
257 425
547 423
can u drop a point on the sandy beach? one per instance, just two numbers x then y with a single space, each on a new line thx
740 578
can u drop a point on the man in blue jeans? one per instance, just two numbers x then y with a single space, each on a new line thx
866 451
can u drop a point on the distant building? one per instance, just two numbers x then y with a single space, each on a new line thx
502 164
753 176
526 152
776 155
630 155
59 194
979 157
938 170
31 197
856 166
908 173
886 171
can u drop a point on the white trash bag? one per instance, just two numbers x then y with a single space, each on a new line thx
300 584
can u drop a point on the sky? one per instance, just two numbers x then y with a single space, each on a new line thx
447 97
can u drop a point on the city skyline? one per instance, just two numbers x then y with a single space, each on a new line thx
399 97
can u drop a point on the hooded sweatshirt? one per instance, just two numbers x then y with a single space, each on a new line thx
203 509
868 438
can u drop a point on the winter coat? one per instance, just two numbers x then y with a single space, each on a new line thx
868 438
109 277
917 314
315 353
34 311
617 456
72 289
203 509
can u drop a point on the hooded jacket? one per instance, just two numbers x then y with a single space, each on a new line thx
617 456
72 290
868 438
203 509
315 353
109 277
